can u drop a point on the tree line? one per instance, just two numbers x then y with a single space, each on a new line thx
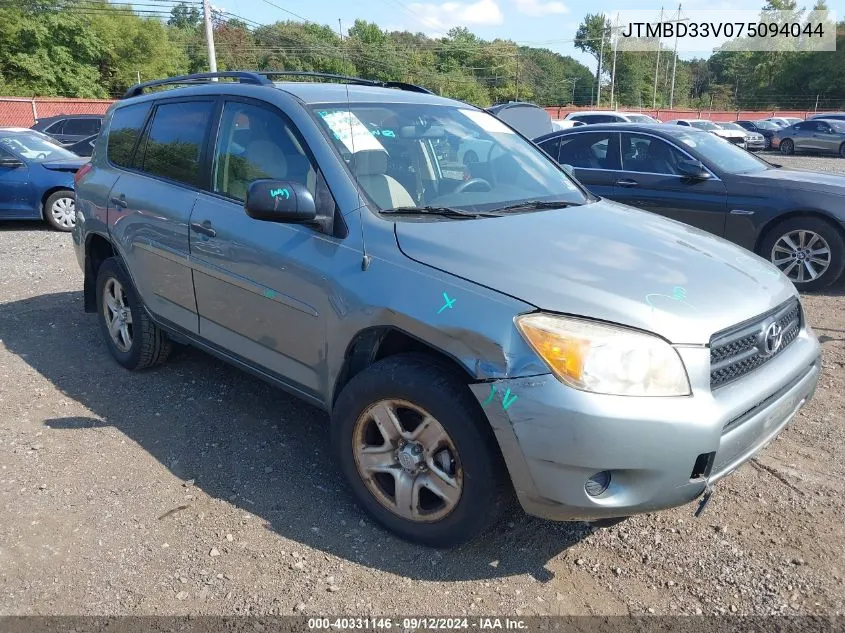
97 49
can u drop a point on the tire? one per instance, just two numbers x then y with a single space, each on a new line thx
417 380
787 147
147 344
768 144
775 246
842 151
60 210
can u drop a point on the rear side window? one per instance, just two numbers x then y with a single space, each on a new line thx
55 128
81 127
126 124
174 141
551 147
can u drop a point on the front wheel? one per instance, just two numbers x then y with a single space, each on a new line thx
60 210
787 147
417 451
808 250
842 150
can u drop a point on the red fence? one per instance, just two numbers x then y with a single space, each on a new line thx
559 112
20 112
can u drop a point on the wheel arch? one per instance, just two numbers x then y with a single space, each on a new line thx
779 219
376 343
49 192
97 250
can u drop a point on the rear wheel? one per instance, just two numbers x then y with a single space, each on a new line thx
411 440
132 338
60 210
842 150
787 146
808 250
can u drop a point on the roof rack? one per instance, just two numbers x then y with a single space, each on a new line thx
358 81
260 78
242 77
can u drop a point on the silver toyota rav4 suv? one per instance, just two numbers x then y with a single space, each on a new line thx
475 330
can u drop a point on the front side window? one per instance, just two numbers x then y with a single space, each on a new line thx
725 156
125 128
389 150
592 150
34 148
174 141
650 154
255 143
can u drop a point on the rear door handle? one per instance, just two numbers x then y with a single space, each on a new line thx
627 182
205 228
119 201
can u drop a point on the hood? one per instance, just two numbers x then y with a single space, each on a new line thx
799 179
606 261
66 164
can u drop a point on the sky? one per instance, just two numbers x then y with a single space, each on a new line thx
542 23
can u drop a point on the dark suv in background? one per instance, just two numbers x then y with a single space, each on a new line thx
69 128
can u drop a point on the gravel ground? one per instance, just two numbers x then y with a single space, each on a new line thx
197 489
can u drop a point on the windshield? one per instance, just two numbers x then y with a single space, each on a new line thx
722 154
419 155
766 125
641 118
704 125
33 148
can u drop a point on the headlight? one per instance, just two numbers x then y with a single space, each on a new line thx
604 358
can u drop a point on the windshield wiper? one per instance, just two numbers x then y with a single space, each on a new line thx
447 212
529 205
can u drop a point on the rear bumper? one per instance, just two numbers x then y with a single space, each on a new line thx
661 452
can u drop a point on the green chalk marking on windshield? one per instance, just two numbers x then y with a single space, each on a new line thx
275 193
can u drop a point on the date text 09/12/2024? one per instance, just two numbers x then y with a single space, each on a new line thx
416 623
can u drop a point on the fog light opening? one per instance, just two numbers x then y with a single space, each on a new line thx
598 483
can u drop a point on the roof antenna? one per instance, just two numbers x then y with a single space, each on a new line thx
366 259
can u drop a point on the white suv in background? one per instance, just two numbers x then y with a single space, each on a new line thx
736 137
609 116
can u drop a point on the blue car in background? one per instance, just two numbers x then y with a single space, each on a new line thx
36 180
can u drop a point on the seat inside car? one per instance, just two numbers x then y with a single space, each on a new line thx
370 169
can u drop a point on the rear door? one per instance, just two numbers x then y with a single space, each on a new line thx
650 180
263 288
594 159
802 135
150 205
825 138
15 186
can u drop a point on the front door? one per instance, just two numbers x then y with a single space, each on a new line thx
650 180
263 288
15 186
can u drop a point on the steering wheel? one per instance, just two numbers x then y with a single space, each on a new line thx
473 182
41 156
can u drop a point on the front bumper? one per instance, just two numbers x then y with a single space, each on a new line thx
554 438
756 143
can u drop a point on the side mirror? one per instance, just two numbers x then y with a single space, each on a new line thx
693 169
10 162
568 169
280 201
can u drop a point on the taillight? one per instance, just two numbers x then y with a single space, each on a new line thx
81 172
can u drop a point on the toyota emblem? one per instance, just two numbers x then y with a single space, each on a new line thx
772 339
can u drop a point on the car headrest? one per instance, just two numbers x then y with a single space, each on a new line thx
369 162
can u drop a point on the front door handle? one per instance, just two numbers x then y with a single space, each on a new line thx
119 201
205 228
627 182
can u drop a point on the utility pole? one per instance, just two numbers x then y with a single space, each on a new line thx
209 36
674 61
340 29
656 67
816 109
576 79
613 68
138 72
517 75
601 59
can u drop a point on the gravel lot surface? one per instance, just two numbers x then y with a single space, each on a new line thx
197 489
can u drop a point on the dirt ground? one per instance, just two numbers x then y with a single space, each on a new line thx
197 489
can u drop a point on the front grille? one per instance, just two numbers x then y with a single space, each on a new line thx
741 349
